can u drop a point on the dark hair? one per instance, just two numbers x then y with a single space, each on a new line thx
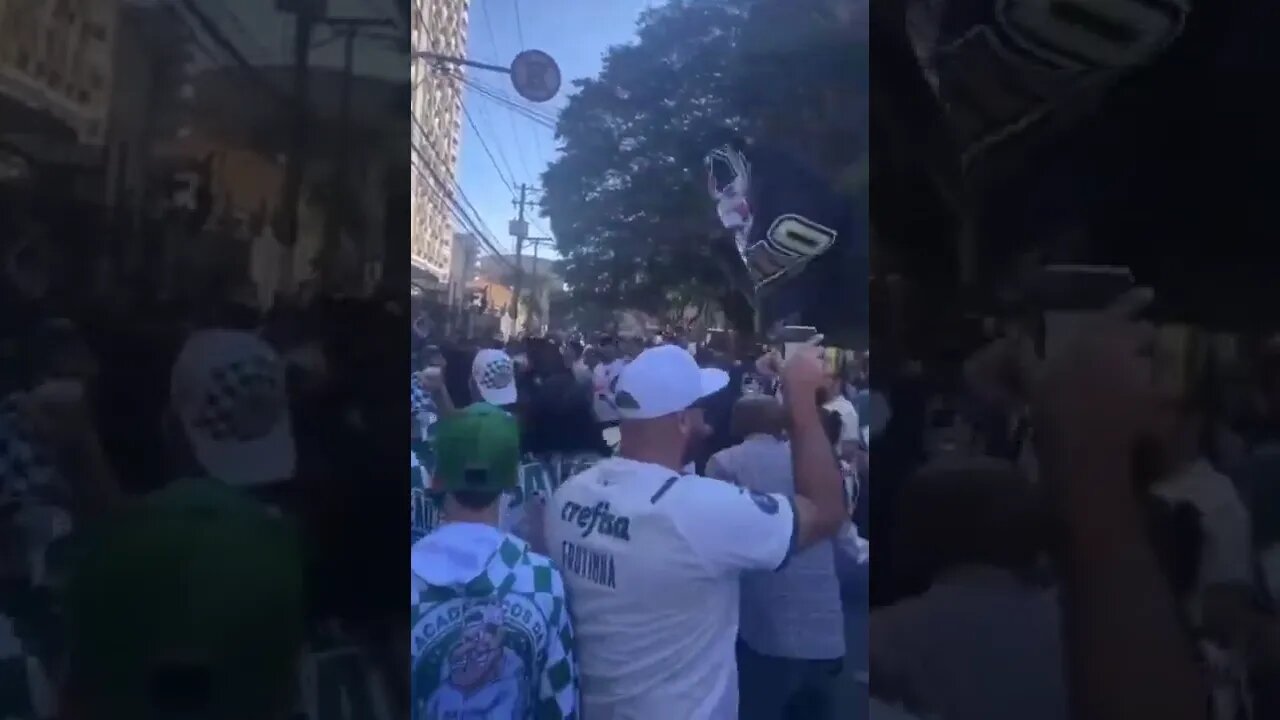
545 359
557 417
833 424
1176 536
576 347
457 374
475 499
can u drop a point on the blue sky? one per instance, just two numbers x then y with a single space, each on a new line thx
574 32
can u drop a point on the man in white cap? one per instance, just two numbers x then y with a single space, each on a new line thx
228 394
652 556
493 378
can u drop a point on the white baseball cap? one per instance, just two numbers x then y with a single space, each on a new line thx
228 390
664 380
495 375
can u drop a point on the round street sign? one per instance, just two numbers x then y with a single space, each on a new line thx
535 76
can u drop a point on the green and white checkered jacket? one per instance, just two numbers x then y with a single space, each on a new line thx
498 647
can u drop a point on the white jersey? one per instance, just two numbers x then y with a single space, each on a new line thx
652 560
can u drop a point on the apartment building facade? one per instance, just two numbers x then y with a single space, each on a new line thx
56 57
439 27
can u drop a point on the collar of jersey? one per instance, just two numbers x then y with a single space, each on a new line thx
611 465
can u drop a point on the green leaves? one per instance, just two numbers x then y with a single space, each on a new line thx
627 198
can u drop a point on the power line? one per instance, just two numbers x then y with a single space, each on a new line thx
538 226
537 116
526 113
500 97
488 26
215 33
437 187
456 187
475 225
484 116
466 113
242 28
519 26
511 106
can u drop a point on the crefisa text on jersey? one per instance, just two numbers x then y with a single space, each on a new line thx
597 519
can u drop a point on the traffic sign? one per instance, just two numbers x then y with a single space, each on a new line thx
535 75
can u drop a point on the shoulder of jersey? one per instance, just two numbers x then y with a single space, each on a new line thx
692 490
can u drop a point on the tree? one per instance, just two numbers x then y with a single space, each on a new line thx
627 198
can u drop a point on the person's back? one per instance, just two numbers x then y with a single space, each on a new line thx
979 644
788 613
982 642
789 618
653 557
490 630
655 594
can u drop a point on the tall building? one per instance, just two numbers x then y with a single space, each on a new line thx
462 267
440 27
56 57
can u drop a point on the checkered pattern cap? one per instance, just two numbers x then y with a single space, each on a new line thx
495 375
228 389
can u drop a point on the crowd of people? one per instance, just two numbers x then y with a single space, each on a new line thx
186 522
1063 534
636 528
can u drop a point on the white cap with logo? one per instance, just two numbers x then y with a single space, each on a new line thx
228 390
495 375
664 380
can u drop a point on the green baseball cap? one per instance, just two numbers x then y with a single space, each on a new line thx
188 603
478 449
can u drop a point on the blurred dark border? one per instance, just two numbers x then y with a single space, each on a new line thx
157 162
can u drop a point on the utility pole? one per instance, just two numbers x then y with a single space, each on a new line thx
336 215
520 230
534 285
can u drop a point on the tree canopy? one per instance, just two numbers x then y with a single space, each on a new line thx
627 197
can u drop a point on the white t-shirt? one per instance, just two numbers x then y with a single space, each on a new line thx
1226 559
652 560
582 373
602 385
849 431
1227 551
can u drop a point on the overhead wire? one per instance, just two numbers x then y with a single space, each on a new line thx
243 29
484 116
205 24
493 45
527 113
437 186
485 146
455 197
498 96
515 4
488 26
